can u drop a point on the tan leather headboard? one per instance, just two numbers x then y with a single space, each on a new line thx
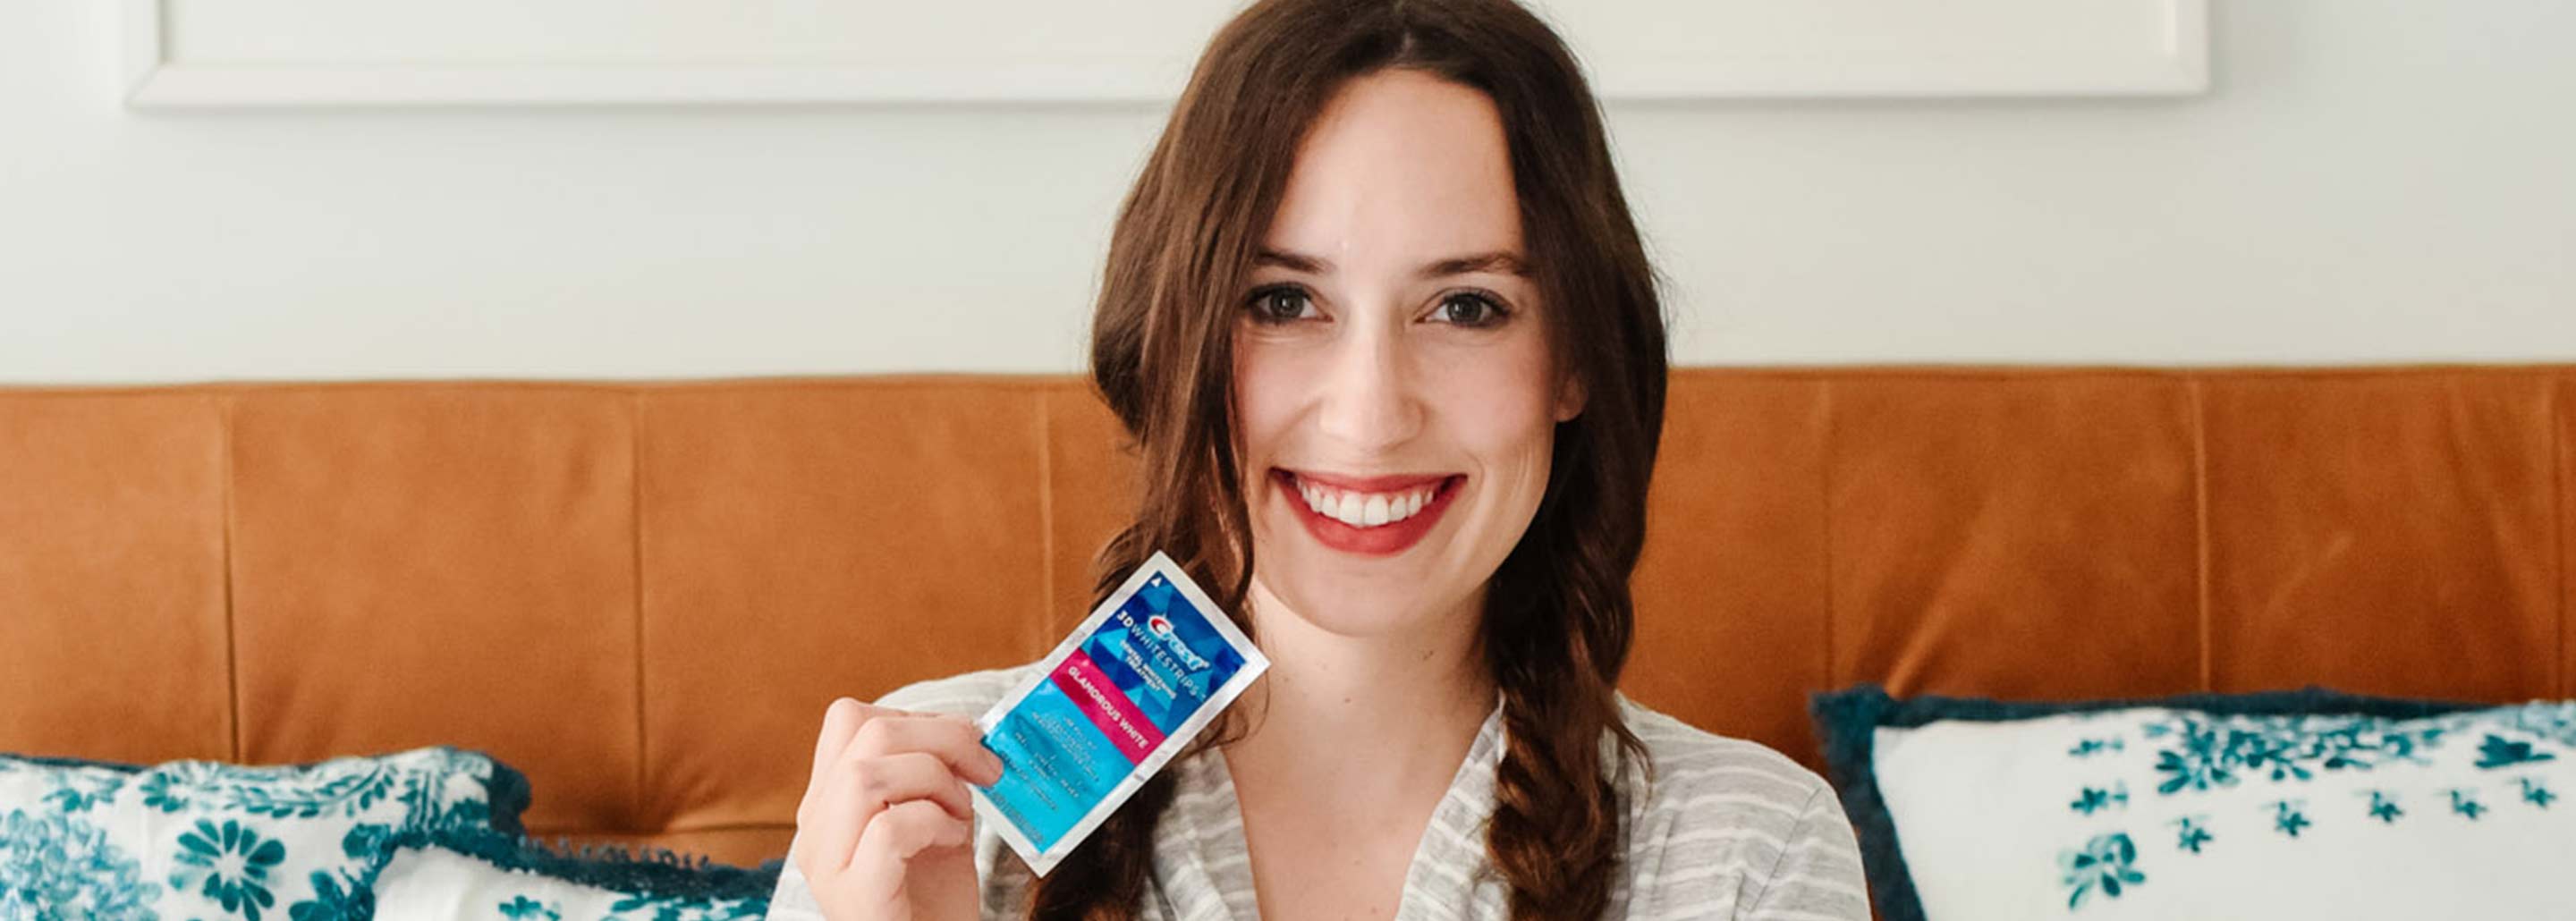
644 594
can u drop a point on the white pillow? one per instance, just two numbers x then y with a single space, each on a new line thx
2153 812
203 839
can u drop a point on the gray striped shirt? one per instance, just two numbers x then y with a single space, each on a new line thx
1726 829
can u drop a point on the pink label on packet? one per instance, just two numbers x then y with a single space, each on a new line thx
1099 698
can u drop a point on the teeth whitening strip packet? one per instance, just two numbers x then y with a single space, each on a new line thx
1150 668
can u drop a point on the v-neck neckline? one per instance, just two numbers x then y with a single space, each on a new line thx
1214 860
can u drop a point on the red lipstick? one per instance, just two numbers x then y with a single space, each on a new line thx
1382 540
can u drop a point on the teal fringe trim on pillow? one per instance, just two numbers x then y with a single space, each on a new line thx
509 794
1847 722
659 872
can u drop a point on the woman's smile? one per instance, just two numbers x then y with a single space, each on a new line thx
1375 516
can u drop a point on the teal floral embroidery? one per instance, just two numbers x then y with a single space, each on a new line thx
214 785
2106 864
232 830
343 793
342 796
2465 802
2535 793
364 841
229 865
2498 751
80 792
2195 835
58 866
2095 799
336 897
686 909
430 809
2087 748
2214 753
2290 816
2383 806
2199 764
525 907
178 786
2191 753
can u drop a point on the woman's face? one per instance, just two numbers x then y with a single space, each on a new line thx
1392 376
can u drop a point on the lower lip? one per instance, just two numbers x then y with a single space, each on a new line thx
1383 540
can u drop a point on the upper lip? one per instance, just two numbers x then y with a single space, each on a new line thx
1393 482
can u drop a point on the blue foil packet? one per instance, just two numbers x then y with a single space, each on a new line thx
1144 674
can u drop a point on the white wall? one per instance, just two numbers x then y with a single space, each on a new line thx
2370 181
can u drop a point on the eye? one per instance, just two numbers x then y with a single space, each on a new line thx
1279 304
1474 311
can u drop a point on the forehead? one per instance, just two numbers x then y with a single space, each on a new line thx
1399 167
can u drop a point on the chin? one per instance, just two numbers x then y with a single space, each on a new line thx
1351 604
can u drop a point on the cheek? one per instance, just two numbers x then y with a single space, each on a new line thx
1498 406
1265 401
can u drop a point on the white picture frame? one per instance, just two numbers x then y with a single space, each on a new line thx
2138 48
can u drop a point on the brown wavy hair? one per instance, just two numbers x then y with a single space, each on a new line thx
1558 614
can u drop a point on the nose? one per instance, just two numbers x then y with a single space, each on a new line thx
1368 401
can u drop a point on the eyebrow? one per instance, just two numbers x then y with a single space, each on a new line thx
1500 261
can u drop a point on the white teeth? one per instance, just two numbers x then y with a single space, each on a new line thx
1364 510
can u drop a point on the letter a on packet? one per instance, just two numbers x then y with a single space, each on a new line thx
1149 669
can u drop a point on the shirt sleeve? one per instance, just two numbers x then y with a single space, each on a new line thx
1818 874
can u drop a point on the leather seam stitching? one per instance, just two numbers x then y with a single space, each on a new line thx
635 526
2557 422
1037 637
1825 500
2200 522
232 646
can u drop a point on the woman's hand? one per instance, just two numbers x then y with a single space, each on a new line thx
883 833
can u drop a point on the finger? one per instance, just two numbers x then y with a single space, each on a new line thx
841 720
954 741
895 836
835 819
884 782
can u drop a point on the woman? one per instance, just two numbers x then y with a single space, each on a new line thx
1380 325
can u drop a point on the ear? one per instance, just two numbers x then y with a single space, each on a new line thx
1569 399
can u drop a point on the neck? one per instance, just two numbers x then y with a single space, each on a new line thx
1385 713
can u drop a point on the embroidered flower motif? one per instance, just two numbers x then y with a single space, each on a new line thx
229 865
2217 753
81 791
2107 864
525 907
2465 802
2289 816
2095 799
2383 806
173 787
2089 747
2199 764
57 866
364 840
336 898
2498 751
2194 834
2534 793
